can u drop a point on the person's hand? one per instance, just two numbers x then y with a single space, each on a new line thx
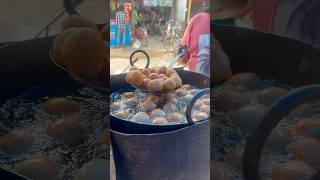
182 52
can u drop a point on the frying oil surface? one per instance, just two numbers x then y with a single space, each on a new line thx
22 113
142 107
226 135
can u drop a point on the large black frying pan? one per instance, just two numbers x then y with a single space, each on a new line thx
271 57
118 82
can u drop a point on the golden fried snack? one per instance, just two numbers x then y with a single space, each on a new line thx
58 43
160 121
162 70
135 77
169 84
83 52
293 169
155 85
269 95
61 106
16 141
221 63
39 167
154 76
67 129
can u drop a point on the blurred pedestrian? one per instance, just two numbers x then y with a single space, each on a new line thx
135 20
121 25
197 38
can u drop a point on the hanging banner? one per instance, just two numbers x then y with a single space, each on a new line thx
150 2
168 3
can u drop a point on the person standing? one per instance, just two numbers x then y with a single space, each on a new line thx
134 18
197 38
121 24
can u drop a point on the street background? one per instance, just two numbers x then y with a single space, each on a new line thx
180 11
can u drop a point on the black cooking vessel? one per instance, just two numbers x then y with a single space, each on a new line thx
272 57
143 152
118 82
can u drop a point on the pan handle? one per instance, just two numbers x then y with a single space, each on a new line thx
271 119
133 61
197 96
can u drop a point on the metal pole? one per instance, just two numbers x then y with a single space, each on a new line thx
189 10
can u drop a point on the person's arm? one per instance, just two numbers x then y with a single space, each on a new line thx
186 41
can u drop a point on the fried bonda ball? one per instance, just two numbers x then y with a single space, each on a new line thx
244 81
269 95
135 77
200 116
175 117
157 113
16 141
128 95
83 52
170 72
159 121
227 100
170 84
162 70
67 129
122 114
141 117
278 140
154 76
221 63
177 80
38 168
307 150
308 127
146 72
248 117
155 85
292 170
77 21
57 45
61 106
148 105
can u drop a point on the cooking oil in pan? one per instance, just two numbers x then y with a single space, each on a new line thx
24 113
230 130
138 106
